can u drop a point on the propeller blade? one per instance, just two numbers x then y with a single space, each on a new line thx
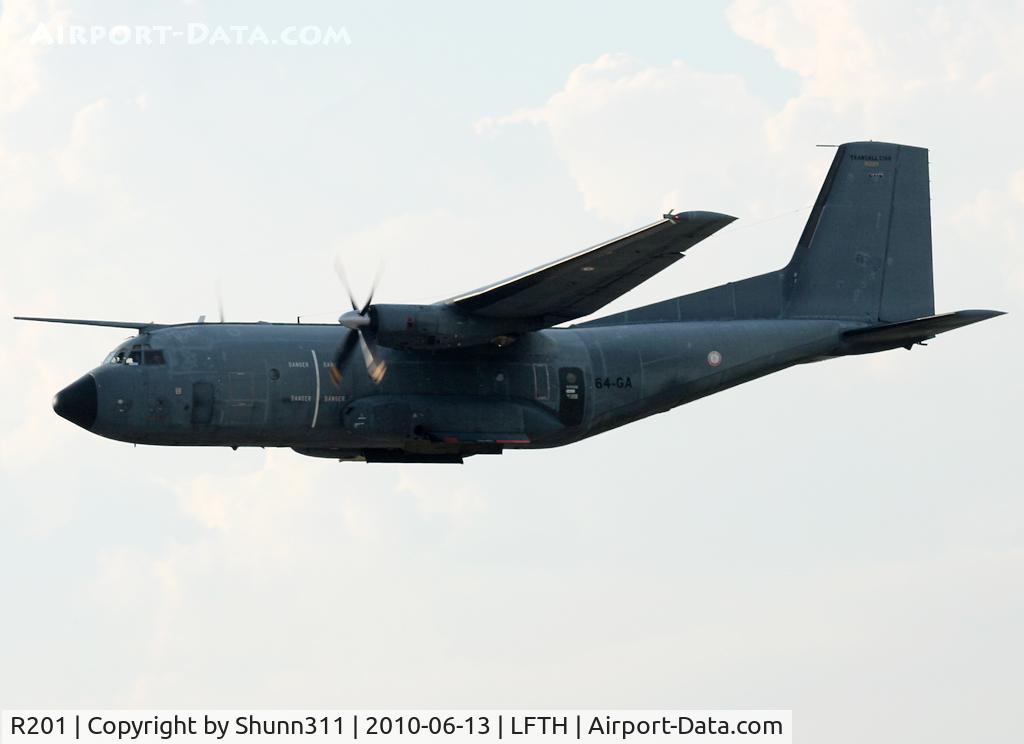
373 288
345 350
375 368
339 268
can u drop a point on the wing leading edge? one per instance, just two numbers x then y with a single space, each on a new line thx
101 323
584 282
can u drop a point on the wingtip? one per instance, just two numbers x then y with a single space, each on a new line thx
698 214
981 314
712 221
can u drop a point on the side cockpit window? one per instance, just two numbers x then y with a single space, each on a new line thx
136 355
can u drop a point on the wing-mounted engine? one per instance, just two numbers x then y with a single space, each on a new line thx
428 327
555 293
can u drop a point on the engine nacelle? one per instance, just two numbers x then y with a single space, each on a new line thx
437 327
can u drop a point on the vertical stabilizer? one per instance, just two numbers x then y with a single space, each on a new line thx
866 251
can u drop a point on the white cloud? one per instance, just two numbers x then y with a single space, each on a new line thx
874 70
635 137
639 138
81 159
19 73
991 220
1017 186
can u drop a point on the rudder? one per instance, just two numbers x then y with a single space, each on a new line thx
866 251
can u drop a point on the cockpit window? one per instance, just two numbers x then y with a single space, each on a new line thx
136 356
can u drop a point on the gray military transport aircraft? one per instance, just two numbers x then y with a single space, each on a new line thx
489 370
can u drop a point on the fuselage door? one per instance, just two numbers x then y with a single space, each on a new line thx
202 402
541 384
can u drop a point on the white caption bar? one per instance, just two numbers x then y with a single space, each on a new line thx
377 727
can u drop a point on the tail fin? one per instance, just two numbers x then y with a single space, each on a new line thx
865 255
866 251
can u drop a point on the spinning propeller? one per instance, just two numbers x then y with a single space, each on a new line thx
358 322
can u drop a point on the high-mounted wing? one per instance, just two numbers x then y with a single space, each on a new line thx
586 281
102 323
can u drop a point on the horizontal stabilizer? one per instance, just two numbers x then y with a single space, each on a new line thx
909 332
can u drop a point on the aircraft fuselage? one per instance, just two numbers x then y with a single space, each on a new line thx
273 385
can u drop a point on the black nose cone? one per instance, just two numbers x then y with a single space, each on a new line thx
77 402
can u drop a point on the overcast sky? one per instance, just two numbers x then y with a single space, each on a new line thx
843 539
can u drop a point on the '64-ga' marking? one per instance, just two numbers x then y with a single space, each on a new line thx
613 382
